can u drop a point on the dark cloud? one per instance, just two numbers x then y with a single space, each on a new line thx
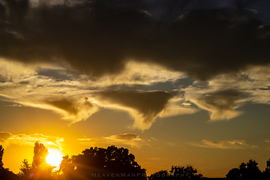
64 104
3 79
126 136
222 100
59 75
75 110
221 104
99 37
149 104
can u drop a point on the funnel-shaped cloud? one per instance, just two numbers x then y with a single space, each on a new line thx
73 110
144 106
221 105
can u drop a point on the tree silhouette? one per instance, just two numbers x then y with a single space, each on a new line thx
40 154
245 171
177 172
5 174
1 157
25 169
234 173
161 175
66 167
252 170
266 173
96 163
39 168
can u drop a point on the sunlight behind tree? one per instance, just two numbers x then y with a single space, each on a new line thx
54 158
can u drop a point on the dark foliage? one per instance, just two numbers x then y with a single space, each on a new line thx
266 172
100 163
177 172
5 174
1 157
248 170
39 168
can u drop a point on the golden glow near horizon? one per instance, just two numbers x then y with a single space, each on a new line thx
54 157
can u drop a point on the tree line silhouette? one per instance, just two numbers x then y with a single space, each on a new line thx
112 163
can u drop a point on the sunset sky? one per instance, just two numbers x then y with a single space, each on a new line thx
177 82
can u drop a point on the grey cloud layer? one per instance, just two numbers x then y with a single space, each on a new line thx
99 37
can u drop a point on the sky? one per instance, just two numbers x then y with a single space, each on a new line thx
177 82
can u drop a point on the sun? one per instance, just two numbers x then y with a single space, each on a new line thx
54 157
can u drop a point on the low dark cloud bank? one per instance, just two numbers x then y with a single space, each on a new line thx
98 37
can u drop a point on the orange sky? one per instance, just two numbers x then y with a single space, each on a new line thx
175 82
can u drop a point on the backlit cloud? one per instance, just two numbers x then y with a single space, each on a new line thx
230 144
222 104
120 52
130 139
144 106
127 138
30 139
222 95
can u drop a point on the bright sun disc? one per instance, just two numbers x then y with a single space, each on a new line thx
54 157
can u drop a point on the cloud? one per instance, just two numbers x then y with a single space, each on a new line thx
222 104
131 139
105 48
202 43
52 88
176 107
24 139
230 144
141 73
84 139
73 110
222 95
144 106
126 136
